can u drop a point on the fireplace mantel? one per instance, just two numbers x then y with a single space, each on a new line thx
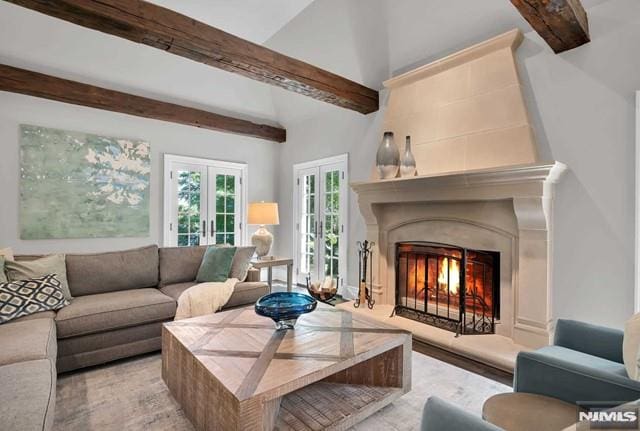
528 187
520 182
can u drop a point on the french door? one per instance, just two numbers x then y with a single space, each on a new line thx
204 202
320 208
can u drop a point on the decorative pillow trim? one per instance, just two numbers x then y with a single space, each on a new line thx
24 297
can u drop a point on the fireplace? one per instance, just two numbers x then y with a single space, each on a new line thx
449 287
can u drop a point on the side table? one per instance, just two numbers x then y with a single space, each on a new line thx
275 261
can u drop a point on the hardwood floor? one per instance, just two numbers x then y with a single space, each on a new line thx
470 365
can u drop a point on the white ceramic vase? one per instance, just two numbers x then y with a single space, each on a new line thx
407 161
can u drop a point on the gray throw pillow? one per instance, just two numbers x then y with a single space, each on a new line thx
216 264
241 262
25 297
3 275
52 264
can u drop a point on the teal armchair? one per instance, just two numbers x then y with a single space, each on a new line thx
584 364
439 415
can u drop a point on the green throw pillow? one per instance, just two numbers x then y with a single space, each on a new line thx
3 276
216 264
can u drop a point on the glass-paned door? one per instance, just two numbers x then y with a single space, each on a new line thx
225 209
307 224
204 202
191 195
331 220
321 219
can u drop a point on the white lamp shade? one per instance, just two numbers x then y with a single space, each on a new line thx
263 213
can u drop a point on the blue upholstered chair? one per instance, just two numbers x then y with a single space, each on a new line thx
584 364
439 415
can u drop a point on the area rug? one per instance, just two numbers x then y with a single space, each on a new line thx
130 395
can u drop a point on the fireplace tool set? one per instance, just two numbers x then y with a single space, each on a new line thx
365 290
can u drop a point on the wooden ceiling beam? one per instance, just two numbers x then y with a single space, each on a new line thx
156 26
563 24
36 84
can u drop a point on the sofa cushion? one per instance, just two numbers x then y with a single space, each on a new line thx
40 315
104 340
108 354
89 274
179 264
27 398
176 289
241 262
27 341
91 314
246 293
253 274
52 264
583 359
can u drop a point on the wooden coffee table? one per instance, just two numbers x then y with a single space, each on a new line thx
234 371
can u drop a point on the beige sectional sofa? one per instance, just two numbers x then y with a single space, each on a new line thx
120 301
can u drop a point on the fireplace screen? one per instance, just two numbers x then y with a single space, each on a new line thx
449 287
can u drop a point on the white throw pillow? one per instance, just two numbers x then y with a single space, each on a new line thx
7 253
631 346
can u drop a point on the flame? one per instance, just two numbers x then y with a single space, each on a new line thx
454 275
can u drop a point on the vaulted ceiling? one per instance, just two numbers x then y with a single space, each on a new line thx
254 20
362 40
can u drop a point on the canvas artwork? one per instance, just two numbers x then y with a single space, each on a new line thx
78 185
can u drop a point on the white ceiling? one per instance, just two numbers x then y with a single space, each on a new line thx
254 20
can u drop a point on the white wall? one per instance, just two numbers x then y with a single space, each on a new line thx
37 42
34 41
584 100
581 104
355 47
163 137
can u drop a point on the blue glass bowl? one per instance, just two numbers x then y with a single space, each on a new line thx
285 307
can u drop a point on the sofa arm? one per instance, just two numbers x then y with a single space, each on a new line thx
541 374
439 415
591 339
253 275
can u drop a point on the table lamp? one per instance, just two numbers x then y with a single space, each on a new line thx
263 213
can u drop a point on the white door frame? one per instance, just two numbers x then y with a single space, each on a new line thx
636 298
344 192
169 159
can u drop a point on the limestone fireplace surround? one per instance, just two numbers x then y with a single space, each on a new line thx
481 186
505 209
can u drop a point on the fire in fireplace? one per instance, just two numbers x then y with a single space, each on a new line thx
450 287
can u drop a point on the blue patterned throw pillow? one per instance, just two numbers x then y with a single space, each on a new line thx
23 297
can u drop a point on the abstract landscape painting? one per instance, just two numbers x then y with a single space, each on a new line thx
77 185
